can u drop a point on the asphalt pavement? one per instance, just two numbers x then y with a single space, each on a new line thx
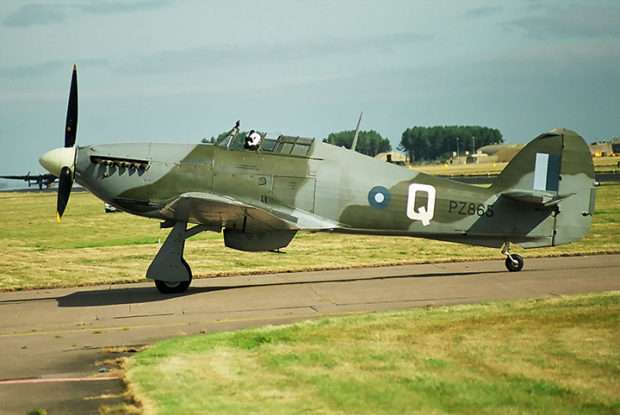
60 346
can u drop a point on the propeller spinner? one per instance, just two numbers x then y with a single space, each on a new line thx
61 161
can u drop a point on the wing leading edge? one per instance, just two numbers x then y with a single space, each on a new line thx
219 212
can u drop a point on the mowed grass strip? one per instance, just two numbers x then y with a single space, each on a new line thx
91 247
546 356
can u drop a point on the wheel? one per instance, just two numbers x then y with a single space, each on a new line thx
174 287
515 264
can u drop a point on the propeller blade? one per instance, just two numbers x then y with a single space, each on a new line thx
72 111
65 182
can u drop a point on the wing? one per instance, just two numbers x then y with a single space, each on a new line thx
17 177
225 212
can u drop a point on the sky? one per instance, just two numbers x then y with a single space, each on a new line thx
180 71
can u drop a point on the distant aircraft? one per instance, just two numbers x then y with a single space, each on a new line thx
46 180
261 198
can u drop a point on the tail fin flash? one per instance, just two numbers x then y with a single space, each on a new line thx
554 170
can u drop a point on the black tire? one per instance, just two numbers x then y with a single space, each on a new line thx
515 266
174 287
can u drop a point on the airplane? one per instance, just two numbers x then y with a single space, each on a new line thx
261 198
46 180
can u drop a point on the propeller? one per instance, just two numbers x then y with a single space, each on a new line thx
61 161
65 183
72 111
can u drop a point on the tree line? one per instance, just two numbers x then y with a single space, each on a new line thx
368 142
432 143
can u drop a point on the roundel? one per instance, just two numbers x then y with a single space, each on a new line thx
379 197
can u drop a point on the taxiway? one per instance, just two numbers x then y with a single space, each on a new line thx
59 345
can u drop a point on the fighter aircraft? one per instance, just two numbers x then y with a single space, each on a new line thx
46 180
260 198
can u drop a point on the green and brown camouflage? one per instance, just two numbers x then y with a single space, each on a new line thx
260 198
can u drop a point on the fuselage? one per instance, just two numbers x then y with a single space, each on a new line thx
359 193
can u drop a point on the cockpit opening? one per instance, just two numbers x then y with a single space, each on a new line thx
269 143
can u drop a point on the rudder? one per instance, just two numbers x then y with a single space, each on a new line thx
576 177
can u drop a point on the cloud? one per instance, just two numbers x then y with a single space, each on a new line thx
100 7
29 71
51 13
571 22
46 68
484 11
218 56
36 14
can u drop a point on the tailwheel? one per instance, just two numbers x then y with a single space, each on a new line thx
175 287
514 263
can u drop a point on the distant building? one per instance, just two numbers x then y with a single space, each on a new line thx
393 157
615 145
478 157
601 149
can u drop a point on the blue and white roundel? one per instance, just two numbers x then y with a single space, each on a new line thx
379 197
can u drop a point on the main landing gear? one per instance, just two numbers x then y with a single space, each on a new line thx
169 269
514 262
174 287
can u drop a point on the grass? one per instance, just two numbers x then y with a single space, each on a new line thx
551 356
606 164
601 165
491 169
91 247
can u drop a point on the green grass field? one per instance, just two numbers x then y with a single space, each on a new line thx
545 356
601 165
91 247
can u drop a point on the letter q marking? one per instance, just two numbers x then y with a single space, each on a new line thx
424 213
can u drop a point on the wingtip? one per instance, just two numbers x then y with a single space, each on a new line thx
74 67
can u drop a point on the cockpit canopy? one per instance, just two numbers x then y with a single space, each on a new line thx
281 144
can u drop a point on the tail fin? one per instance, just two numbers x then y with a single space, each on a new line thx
554 171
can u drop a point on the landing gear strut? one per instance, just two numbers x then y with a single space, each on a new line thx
169 269
514 262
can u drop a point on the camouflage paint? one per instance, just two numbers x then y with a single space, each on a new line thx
336 189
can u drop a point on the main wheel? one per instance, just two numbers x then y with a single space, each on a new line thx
514 265
175 287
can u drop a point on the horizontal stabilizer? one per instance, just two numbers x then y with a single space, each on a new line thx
536 198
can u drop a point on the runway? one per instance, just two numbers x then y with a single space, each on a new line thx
59 345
